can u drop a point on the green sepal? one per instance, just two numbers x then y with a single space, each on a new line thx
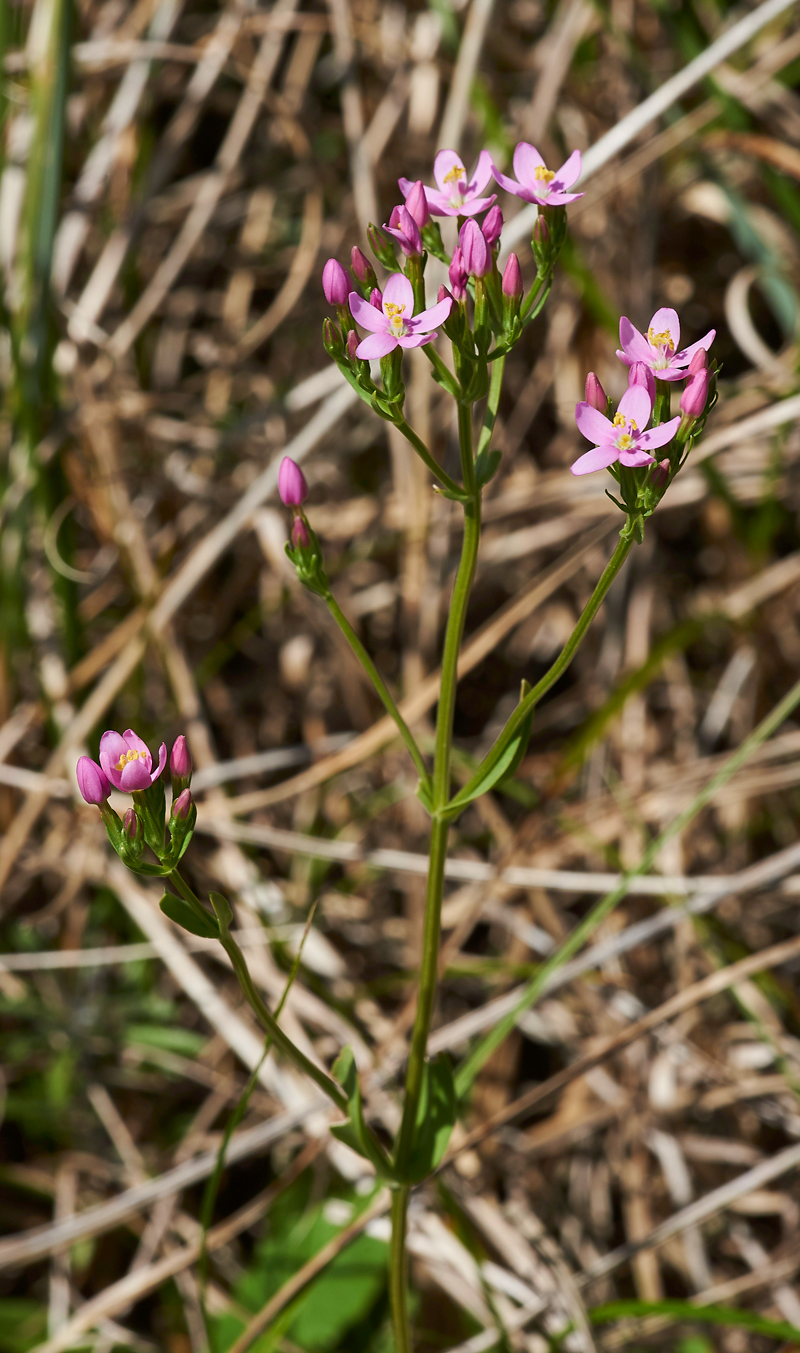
436 1116
185 916
500 764
433 242
180 834
354 1131
487 464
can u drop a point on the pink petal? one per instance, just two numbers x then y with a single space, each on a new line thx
135 775
666 319
633 343
446 161
704 343
526 161
377 345
599 458
636 405
433 316
405 186
439 203
162 761
672 373
593 425
367 315
399 291
659 436
623 357
483 172
474 206
415 340
570 171
510 185
563 199
112 747
635 458
135 743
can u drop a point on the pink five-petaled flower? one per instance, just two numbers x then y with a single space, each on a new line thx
395 324
127 762
536 183
91 781
455 193
659 349
402 225
625 438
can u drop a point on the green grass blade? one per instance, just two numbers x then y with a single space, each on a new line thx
705 1315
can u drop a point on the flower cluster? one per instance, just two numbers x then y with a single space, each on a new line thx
126 764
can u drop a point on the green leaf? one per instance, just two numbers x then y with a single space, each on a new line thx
705 1315
354 1131
499 765
424 796
486 466
436 1118
183 915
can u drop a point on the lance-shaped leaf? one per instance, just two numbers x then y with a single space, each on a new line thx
184 915
436 1116
354 1131
499 764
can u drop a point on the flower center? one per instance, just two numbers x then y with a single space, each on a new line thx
457 173
132 755
394 314
664 344
625 440
544 175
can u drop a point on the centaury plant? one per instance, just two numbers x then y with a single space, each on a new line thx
641 443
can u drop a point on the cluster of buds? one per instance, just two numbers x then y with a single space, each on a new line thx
126 764
303 547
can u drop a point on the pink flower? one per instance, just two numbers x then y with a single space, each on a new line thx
659 350
395 324
458 275
536 183
475 251
417 204
335 283
292 485
402 225
456 194
624 439
127 763
91 781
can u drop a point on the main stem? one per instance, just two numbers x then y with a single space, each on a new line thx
436 865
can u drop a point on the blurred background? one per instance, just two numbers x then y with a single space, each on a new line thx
174 176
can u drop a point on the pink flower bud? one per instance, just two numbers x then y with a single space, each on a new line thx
363 270
300 537
131 825
474 249
331 338
335 283
352 344
492 225
458 276
642 374
91 781
402 225
292 485
512 278
693 399
182 806
699 362
180 761
660 475
376 299
541 233
417 205
595 394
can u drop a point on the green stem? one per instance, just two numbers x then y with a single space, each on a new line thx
535 300
492 404
425 455
442 370
398 1272
262 1011
379 684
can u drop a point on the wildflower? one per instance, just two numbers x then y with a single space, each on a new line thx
335 283
475 251
292 485
492 225
512 279
91 781
595 394
417 205
127 763
180 765
695 394
623 439
402 225
659 349
182 806
458 275
456 194
536 183
395 325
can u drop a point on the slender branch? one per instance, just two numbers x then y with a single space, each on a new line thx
398 1273
442 370
425 455
492 404
380 685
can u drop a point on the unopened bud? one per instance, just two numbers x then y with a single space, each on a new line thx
512 278
417 205
381 248
92 781
180 764
642 374
659 477
361 267
332 339
458 276
352 344
492 225
474 250
376 299
300 537
335 283
541 232
292 485
695 395
182 806
131 825
595 394
699 362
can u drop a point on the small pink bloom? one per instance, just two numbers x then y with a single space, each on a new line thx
91 781
456 194
458 276
698 363
352 344
660 475
402 225
335 283
180 760
361 266
536 183
376 298
595 394
300 537
475 251
492 226
292 485
131 824
625 438
182 806
642 374
127 763
417 204
512 278
695 394
395 324
660 350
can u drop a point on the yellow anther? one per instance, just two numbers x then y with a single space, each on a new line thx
619 420
664 338
132 755
457 173
544 175
390 309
